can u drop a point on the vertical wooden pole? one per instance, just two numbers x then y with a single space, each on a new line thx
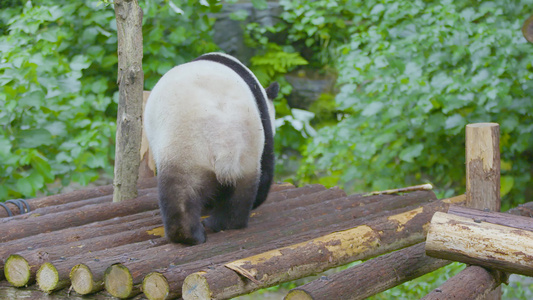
482 192
483 173
147 166
130 85
483 166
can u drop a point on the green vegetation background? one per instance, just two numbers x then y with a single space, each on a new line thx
409 76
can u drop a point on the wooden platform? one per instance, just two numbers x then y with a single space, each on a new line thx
100 234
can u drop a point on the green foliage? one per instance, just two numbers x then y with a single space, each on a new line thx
58 67
413 75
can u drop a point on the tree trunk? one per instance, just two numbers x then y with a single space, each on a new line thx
313 256
477 242
371 277
147 164
83 194
16 229
130 83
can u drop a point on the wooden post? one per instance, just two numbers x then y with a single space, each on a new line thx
483 166
482 192
130 81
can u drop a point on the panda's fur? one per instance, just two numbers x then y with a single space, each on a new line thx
210 126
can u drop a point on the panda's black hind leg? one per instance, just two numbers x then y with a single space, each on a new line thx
232 205
181 198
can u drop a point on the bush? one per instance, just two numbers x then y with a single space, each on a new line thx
414 74
58 95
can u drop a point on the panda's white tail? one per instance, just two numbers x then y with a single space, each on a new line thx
228 169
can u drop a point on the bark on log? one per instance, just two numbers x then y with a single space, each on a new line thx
62 271
473 283
476 242
371 277
339 210
130 85
505 219
16 229
83 194
278 187
289 194
74 205
270 268
26 263
77 234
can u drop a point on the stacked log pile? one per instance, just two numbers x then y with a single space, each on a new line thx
89 244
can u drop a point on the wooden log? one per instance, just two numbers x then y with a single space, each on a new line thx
74 205
483 171
59 273
293 193
83 194
16 229
371 277
175 273
473 283
505 219
25 264
68 235
474 241
289 263
278 187
342 210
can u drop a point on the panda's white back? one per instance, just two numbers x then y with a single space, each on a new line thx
203 115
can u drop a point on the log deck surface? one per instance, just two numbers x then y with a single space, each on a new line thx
293 207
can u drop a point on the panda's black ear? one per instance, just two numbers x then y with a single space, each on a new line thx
272 90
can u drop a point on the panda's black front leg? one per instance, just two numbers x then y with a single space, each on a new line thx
232 206
181 206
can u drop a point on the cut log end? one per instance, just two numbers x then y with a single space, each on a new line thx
155 286
47 277
82 280
17 270
118 281
298 295
196 287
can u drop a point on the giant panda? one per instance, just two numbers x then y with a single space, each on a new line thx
210 126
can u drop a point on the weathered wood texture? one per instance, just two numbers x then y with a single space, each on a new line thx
288 263
16 229
474 241
483 166
300 230
473 283
371 277
60 199
130 84
26 263
483 173
508 219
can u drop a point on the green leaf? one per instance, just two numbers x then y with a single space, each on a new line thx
260 4
33 138
411 152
